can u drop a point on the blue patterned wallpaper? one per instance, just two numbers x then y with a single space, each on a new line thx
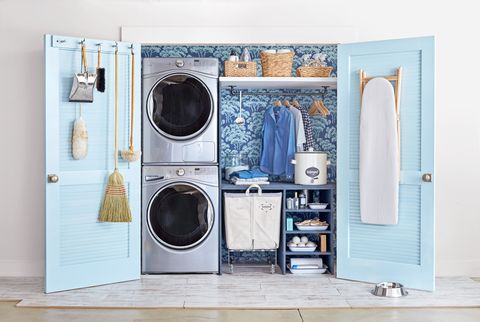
247 139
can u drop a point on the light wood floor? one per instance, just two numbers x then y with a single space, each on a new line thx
243 290
10 313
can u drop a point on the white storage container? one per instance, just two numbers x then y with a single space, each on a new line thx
252 220
310 167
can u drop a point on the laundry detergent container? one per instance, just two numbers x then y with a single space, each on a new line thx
310 167
252 220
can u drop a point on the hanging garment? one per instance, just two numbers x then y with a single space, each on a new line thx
299 129
379 161
278 145
307 125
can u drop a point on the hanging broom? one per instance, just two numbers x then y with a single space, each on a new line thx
132 155
115 206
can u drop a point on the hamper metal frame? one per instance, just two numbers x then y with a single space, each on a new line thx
271 266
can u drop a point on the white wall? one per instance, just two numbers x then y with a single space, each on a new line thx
22 24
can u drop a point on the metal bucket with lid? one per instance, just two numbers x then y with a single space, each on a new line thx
310 167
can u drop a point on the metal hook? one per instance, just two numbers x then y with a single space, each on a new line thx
324 92
116 45
82 42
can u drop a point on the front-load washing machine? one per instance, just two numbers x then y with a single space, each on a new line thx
180 223
180 115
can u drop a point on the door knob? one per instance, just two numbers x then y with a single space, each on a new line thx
427 177
52 178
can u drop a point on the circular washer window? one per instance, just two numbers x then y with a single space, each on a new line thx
180 106
180 216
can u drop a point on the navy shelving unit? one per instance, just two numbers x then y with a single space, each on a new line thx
320 193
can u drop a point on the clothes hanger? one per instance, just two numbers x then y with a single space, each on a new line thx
286 103
318 108
296 104
277 103
313 110
323 109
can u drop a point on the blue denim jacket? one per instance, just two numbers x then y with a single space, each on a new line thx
278 149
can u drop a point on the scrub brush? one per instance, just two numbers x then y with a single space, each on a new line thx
132 155
100 73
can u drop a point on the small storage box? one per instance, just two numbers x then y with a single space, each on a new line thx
240 69
252 220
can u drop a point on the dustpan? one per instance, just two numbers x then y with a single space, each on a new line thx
83 83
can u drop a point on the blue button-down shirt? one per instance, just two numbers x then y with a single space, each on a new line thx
278 148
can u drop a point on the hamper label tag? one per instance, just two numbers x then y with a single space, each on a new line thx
312 172
266 207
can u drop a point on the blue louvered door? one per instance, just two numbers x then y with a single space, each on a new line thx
80 251
403 252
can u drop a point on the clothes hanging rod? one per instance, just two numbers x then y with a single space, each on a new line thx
235 91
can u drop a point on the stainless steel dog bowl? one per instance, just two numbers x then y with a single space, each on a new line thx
389 289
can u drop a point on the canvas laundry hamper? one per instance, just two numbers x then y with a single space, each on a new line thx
252 220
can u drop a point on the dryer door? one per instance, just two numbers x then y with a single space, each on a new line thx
180 216
180 106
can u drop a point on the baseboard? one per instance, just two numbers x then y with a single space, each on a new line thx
451 267
443 268
21 268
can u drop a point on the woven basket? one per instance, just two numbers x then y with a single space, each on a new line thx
310 71
240 69
277 65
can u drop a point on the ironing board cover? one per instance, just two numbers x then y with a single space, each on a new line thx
379 163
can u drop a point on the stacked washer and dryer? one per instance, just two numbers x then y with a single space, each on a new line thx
180 174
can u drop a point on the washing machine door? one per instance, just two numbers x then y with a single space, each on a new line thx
180 215
180 106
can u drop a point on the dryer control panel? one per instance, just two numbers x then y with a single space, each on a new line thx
203 173
172 65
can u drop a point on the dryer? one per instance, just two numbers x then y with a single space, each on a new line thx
180 219
180 114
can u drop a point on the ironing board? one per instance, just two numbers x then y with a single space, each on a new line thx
379 161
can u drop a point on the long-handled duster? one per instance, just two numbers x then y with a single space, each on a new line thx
79 138
115 206
132 155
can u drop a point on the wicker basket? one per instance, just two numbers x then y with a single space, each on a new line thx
277 65
310 71
240 69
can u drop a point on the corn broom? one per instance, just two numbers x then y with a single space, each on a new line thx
115 206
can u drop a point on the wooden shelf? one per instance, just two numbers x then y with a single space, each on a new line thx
279 186
307 210
278 82
307 232
306 253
